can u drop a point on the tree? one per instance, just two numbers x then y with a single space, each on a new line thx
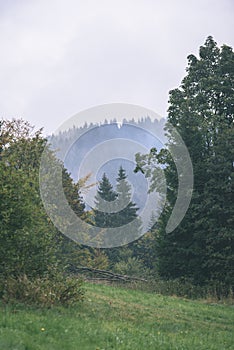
27 242
124 218
201 110
105 193
128 211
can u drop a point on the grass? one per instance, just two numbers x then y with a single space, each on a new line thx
117 318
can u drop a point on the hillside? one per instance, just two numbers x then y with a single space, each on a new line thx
117 318
102 148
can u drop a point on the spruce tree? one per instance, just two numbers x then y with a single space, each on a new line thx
129 209
125 219
105 193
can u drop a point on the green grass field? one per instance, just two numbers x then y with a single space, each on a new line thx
117 318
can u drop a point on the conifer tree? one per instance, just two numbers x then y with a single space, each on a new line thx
105 194
125 219
129 209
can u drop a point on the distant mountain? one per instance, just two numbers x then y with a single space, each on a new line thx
99 148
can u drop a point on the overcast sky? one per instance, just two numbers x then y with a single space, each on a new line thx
60 57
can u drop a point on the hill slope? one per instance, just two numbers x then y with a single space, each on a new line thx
115 318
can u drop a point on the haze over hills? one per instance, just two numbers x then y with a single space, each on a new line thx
102 148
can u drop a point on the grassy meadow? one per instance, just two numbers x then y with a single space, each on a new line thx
118 318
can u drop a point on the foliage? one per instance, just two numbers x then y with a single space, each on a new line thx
144 250
105 194
30 245
27 237
45 291
130 266
201 110
74 255
128 211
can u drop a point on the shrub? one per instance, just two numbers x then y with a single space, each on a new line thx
182 287
46 291
131 267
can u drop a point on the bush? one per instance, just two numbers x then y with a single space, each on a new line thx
181 287
46 291
131 267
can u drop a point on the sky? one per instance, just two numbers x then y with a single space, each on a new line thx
59 57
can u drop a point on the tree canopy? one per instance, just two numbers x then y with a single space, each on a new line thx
201 109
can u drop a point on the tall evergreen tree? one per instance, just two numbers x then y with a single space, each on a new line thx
128 211
125 219
201 110
105 194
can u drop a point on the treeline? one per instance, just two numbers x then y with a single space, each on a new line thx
30 243
199 251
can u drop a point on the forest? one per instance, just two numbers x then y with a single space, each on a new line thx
39 264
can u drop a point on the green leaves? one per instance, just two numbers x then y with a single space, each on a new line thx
201 109
27 237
